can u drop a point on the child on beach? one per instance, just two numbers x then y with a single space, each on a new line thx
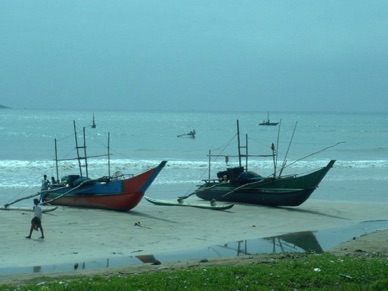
36 222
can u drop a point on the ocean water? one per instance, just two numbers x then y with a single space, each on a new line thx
140 140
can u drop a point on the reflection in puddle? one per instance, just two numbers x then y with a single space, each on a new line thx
295 242
147 259
36 269
292 242
90 265
307 241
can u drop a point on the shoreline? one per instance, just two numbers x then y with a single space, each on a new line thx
232 251
367 246
75 235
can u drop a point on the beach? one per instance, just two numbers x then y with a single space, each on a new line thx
74 236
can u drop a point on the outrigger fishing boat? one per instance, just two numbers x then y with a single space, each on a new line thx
189 134
268 122
93 123
113 192
237 184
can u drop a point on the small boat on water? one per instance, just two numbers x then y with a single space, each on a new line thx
237 184
268 122
93 123
189 134
113 192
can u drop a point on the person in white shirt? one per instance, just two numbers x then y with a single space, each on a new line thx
44 187
36 222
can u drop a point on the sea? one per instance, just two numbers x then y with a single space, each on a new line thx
32 140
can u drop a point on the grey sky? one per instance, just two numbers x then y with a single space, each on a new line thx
195 55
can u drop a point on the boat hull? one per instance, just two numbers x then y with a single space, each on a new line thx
269 123
119 195
269 197
283 191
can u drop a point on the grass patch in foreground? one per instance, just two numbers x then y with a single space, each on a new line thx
305 272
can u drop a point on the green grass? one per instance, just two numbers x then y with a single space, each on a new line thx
307 272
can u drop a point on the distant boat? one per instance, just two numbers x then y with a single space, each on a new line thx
94 123
268 122
189 134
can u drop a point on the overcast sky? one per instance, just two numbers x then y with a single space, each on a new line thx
247 55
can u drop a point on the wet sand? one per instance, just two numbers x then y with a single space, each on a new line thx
77 235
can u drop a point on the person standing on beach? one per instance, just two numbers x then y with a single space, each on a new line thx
36 222
44 187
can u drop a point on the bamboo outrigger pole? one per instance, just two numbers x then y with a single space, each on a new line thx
30 196
24 198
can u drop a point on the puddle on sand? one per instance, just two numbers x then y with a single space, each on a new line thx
306 241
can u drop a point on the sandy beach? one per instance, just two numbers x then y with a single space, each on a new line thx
77 235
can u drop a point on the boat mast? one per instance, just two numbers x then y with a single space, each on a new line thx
246 152
94 123
77 148
108 154
274 159
56 158
210 163
85 156
79 158
238 142
277 150
242 147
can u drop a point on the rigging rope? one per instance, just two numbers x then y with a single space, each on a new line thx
315 153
